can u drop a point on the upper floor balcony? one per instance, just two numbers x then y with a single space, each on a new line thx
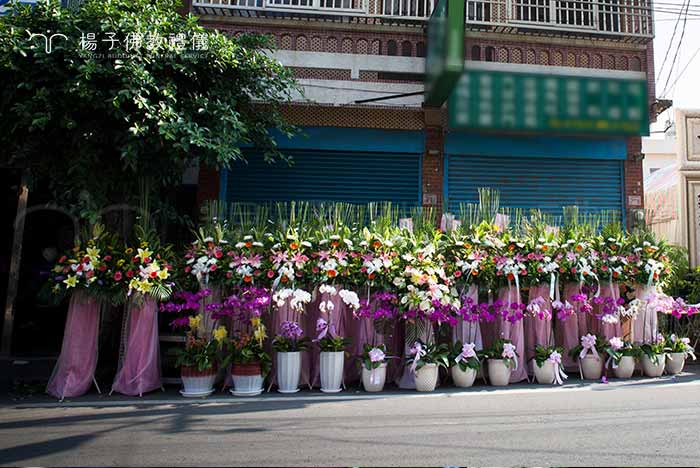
622 19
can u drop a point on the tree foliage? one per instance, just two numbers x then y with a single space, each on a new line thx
94 123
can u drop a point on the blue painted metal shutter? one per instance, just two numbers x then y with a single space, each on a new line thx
547 184
355 177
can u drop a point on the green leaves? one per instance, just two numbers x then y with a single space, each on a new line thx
126 112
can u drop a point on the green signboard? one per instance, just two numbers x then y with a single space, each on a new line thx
445 58
531 102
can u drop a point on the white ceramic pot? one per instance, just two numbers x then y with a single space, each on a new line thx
625 368
675 363
591 367
332 371
247 379
545 374
463 378
197 383
374 381
426 378
499 372
288 372
651 369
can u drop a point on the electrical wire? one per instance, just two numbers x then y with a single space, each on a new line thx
670 44
675 56
678 77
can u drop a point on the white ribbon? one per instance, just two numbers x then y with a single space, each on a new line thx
588 345
559 375
552 281
420 352
611 361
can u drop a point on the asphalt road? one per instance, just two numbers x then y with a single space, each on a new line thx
605 425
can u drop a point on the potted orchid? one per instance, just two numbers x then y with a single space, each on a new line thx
621 356
678 351
251 362
654 356
548 366
502 360
289 345
590 362
424 361
465 364
332 356
198 359
373 367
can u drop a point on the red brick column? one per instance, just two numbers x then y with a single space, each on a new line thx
433 169
634 178
208 185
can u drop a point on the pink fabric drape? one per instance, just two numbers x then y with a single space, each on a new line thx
513 331
645 325
288 314
338 319
538 331
75 369
469 332
600 328
139 370
208 324
568 332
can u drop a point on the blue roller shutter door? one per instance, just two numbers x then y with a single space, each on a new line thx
355 177
544 183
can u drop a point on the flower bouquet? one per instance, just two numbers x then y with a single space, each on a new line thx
289 344
586 352
621 357
502 360
249 361
678 351
424 361
548 366
464 364
654 356
373 360
198 360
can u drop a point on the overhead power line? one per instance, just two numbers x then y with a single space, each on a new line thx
670 44
675 56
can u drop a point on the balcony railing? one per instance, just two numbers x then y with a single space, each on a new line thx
614 17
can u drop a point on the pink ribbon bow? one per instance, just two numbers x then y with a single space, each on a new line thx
588 344
509 353
467 352
418 352
324 329
559 375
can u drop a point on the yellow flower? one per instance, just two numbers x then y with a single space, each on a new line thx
120 262
220 334
259 334
134 283
255 321
71 281
145 286
93 254
144 253
163 274
195 322
129 250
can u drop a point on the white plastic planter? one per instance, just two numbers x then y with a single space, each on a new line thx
545 374
374 381
197 384
288 372
499 372
462 378
332 371
651 369
426 378
675 363
625 368
591 367
247 379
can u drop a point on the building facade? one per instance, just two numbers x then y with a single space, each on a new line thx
367 136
